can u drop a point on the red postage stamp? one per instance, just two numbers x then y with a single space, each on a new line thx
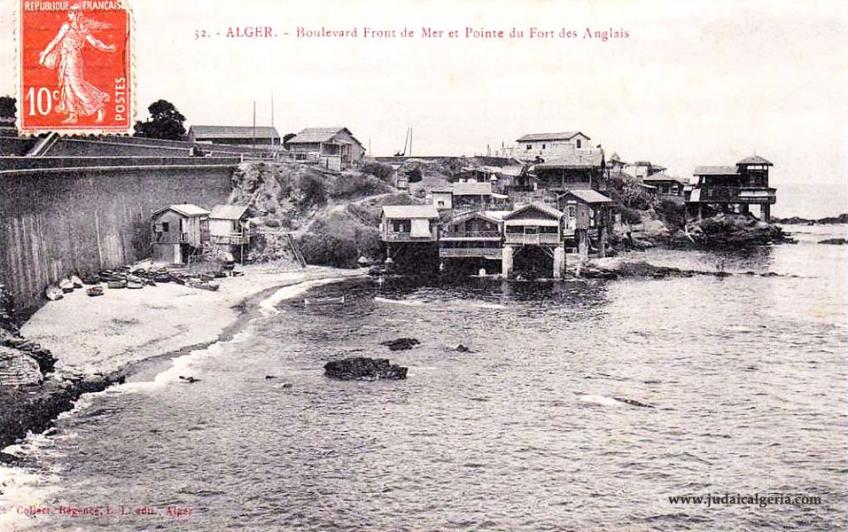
76 66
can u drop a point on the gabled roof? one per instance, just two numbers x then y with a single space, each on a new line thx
185 209
410 211
230 132
550 211
312 135
754 159
475 214
472 189
592 159
715 170
589 196
228 212
661 176
564 135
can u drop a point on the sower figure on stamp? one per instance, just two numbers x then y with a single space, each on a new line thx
77 96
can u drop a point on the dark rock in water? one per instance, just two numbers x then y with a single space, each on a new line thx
361 368
631 402
462 349
269 377
8 459
401 344
834 241
796 220
189 380
732 231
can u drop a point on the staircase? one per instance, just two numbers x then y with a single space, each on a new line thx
296 250
42 147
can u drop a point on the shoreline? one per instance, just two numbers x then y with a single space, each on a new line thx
122 347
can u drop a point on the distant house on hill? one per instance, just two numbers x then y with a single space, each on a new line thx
332 147
235 135
544 146
642 169
666 185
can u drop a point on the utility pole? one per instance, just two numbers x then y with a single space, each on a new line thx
254 122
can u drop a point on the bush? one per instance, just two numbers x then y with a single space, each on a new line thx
629 216
358 185
672 213
414 175
377 169
328 250
312 190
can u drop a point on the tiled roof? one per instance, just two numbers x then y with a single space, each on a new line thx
754 159
228 212
230 132
591 159
410 211
590 196
715 170
312 135
564 135
186 209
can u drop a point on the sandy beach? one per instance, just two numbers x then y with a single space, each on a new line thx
105 334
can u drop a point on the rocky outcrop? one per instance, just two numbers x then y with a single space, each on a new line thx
26 409
361 368
401 344
796 220
733 231
834 241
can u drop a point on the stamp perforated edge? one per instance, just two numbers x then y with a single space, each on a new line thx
18 20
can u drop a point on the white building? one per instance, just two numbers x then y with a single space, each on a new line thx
550 145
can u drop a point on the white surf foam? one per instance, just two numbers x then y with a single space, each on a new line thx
600 400
406 303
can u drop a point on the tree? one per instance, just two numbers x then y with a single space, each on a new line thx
8 107
165 122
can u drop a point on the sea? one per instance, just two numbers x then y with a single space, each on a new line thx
580 405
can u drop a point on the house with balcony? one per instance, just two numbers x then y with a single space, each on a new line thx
733 188
532 233
587 220
331 147
229 228
179 233
411 236
667 186
468 196
583 170
474 235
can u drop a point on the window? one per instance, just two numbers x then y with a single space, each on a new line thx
579 143
529 146
543 146
165 227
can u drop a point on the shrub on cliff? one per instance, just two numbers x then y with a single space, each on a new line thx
311 190
353 185
379 170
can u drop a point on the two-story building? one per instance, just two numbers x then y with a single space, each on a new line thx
667 186
733 188
411 236
474 235
544 146
530 233
179 233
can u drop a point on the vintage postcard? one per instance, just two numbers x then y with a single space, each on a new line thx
423 265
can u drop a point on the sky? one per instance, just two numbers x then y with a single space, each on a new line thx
696 82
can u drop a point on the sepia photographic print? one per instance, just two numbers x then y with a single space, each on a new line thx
423 265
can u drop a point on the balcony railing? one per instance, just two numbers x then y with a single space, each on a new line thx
461 253
532 239
742 194
235 239
406 237
471 235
